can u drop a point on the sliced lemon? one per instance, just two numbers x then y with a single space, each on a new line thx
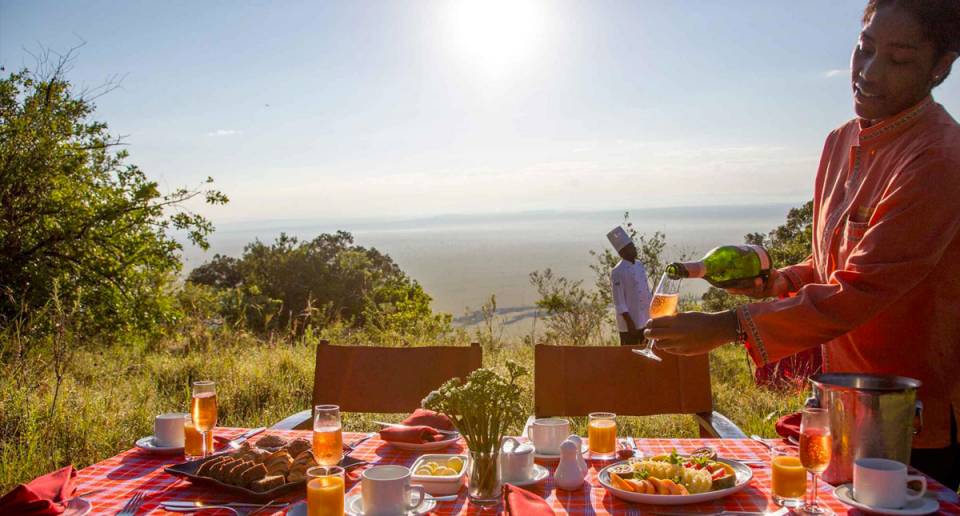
423 470
444 471
455 463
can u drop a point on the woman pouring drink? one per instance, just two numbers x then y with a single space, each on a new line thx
880 292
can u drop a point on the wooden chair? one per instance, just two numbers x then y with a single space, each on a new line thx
381 379
576 380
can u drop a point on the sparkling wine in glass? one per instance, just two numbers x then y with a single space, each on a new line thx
816 447
664 303
203 410
327 435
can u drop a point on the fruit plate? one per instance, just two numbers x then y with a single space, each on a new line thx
743 472
188 471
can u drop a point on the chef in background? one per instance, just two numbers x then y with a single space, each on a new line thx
631 292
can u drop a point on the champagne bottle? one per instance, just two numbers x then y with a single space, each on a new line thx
727 266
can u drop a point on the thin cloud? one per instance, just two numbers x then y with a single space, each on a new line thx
224 132
837 72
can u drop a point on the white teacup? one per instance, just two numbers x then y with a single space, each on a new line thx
883 483
386 490
548 434
168 430
516 460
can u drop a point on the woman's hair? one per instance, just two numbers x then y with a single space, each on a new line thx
939 19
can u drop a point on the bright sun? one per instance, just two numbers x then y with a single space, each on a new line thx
494 36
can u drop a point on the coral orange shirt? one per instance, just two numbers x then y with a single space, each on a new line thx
881 289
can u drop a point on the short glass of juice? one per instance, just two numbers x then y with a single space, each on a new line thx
193 440
789 478
602 434
325 491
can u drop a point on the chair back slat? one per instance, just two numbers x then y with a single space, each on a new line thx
576 380
386 379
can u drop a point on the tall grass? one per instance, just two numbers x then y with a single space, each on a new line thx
110 394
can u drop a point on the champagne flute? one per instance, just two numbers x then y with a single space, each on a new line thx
664 303
327 435
816 447
203 410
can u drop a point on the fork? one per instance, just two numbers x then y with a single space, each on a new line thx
130 508
238 509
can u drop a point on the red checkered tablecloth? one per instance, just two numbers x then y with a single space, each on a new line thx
115 480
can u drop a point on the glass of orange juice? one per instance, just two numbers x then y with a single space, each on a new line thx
325 490
203 411
327 435
193 440
789 478
602 434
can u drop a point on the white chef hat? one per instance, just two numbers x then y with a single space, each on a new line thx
619 238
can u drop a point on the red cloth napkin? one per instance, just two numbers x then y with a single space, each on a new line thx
520 502
428 418
415 434
46 495
789 425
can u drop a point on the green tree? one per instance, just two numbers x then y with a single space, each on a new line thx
75 213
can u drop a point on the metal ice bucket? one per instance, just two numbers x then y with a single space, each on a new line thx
870 416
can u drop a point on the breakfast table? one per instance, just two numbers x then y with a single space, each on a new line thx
111 483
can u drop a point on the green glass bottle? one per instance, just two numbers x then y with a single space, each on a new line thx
727 266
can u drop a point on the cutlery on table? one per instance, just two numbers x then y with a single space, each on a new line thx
760 440
793 440
235 444
779 512
450 433
238 508
353 444
448 498
134 503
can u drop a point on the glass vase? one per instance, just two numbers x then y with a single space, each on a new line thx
484 488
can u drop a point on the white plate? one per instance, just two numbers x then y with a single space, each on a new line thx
924 505
436 445
539 474
148 444
77 507
354 506
744 476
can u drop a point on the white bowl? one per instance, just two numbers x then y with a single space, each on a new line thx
440 486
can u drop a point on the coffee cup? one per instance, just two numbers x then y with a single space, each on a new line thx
548 434
516 460
882 483
386 490
168 430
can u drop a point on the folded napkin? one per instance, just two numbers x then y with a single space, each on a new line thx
413 434
520 502
428 418
789 425
46 495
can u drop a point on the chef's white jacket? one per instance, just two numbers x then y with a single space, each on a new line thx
631 293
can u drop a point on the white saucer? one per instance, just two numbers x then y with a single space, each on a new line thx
77 507
354 506
924 505
585 449
149 444
539 474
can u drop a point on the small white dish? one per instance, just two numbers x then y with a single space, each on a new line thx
925 505
77 507
440 485
436 445
149 444
353 506
539 474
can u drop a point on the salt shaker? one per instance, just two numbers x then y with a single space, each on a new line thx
581 462
568 476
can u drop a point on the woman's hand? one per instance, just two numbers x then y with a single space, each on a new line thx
692 333
776 285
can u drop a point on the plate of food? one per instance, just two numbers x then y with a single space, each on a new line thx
255 473
675 479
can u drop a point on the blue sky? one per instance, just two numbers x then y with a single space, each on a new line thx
397 109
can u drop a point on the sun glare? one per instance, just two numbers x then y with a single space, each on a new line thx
494 36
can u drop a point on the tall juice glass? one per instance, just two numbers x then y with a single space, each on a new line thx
325 490
327 435
816 448
203 411
602 434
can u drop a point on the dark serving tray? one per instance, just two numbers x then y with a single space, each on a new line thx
188 470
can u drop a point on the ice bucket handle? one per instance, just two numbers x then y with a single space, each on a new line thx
918 416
